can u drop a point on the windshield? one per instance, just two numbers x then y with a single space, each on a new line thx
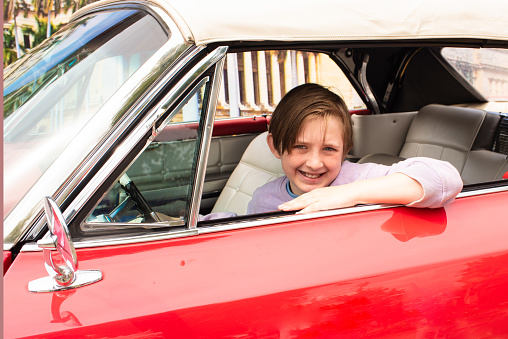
50 94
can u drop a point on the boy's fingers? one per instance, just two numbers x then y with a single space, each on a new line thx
302 202
308 209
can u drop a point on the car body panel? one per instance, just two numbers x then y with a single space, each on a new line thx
7 260
345 273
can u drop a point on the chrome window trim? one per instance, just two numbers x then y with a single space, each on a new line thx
291 218
170 99
89 243
25 219
483 191
94 242
118 226
199 178
148 6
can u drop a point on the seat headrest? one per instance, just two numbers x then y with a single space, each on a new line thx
258 155
452 127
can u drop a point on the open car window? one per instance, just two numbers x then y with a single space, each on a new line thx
254 82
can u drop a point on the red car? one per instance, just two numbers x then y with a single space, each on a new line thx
129 127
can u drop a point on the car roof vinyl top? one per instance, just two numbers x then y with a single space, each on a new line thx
208 22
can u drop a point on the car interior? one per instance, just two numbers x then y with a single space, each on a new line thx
474 140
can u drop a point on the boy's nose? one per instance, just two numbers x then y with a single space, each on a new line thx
314 161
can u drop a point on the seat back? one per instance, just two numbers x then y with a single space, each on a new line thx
444 133
483 165
257 167
380 133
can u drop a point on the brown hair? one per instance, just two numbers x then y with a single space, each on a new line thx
304 102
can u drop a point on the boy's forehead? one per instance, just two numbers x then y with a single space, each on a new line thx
320 125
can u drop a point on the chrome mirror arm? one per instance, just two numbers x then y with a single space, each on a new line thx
65 276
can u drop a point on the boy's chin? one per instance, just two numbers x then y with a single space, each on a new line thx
307 188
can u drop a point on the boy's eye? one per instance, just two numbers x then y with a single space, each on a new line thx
329 149
299 147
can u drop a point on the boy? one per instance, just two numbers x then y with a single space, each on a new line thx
311 133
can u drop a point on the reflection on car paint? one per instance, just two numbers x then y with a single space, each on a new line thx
408 223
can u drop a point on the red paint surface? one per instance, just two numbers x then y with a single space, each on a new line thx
360 111
7 260
396 272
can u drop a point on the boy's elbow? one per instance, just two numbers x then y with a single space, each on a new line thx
443 185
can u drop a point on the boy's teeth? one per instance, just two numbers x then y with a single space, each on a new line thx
312 176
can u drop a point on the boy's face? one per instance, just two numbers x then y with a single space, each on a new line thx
315 159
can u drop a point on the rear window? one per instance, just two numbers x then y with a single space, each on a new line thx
485 68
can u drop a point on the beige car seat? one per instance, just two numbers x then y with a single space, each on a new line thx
257 167
439 132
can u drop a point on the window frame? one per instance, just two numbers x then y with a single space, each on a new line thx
90 227
146 131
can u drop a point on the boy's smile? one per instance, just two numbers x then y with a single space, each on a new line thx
315 159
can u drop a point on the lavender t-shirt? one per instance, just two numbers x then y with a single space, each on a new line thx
441 182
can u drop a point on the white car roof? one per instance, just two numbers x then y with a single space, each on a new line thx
207 21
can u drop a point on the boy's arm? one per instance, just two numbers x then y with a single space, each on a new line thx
396 188
416 182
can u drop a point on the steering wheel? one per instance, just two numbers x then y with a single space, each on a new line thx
141 203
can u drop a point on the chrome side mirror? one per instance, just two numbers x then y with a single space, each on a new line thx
66 275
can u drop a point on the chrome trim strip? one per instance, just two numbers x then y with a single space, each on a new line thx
205 141
25 218
169 99
483 191
115 226
263 221
92 243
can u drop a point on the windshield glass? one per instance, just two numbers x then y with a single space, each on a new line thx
50 94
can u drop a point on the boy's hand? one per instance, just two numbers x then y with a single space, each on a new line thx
320 199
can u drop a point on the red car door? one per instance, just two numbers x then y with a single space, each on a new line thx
396 271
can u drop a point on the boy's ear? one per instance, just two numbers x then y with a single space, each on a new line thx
269 141
345 153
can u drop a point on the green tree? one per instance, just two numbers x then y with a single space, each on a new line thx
44 8
10 54
12 8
